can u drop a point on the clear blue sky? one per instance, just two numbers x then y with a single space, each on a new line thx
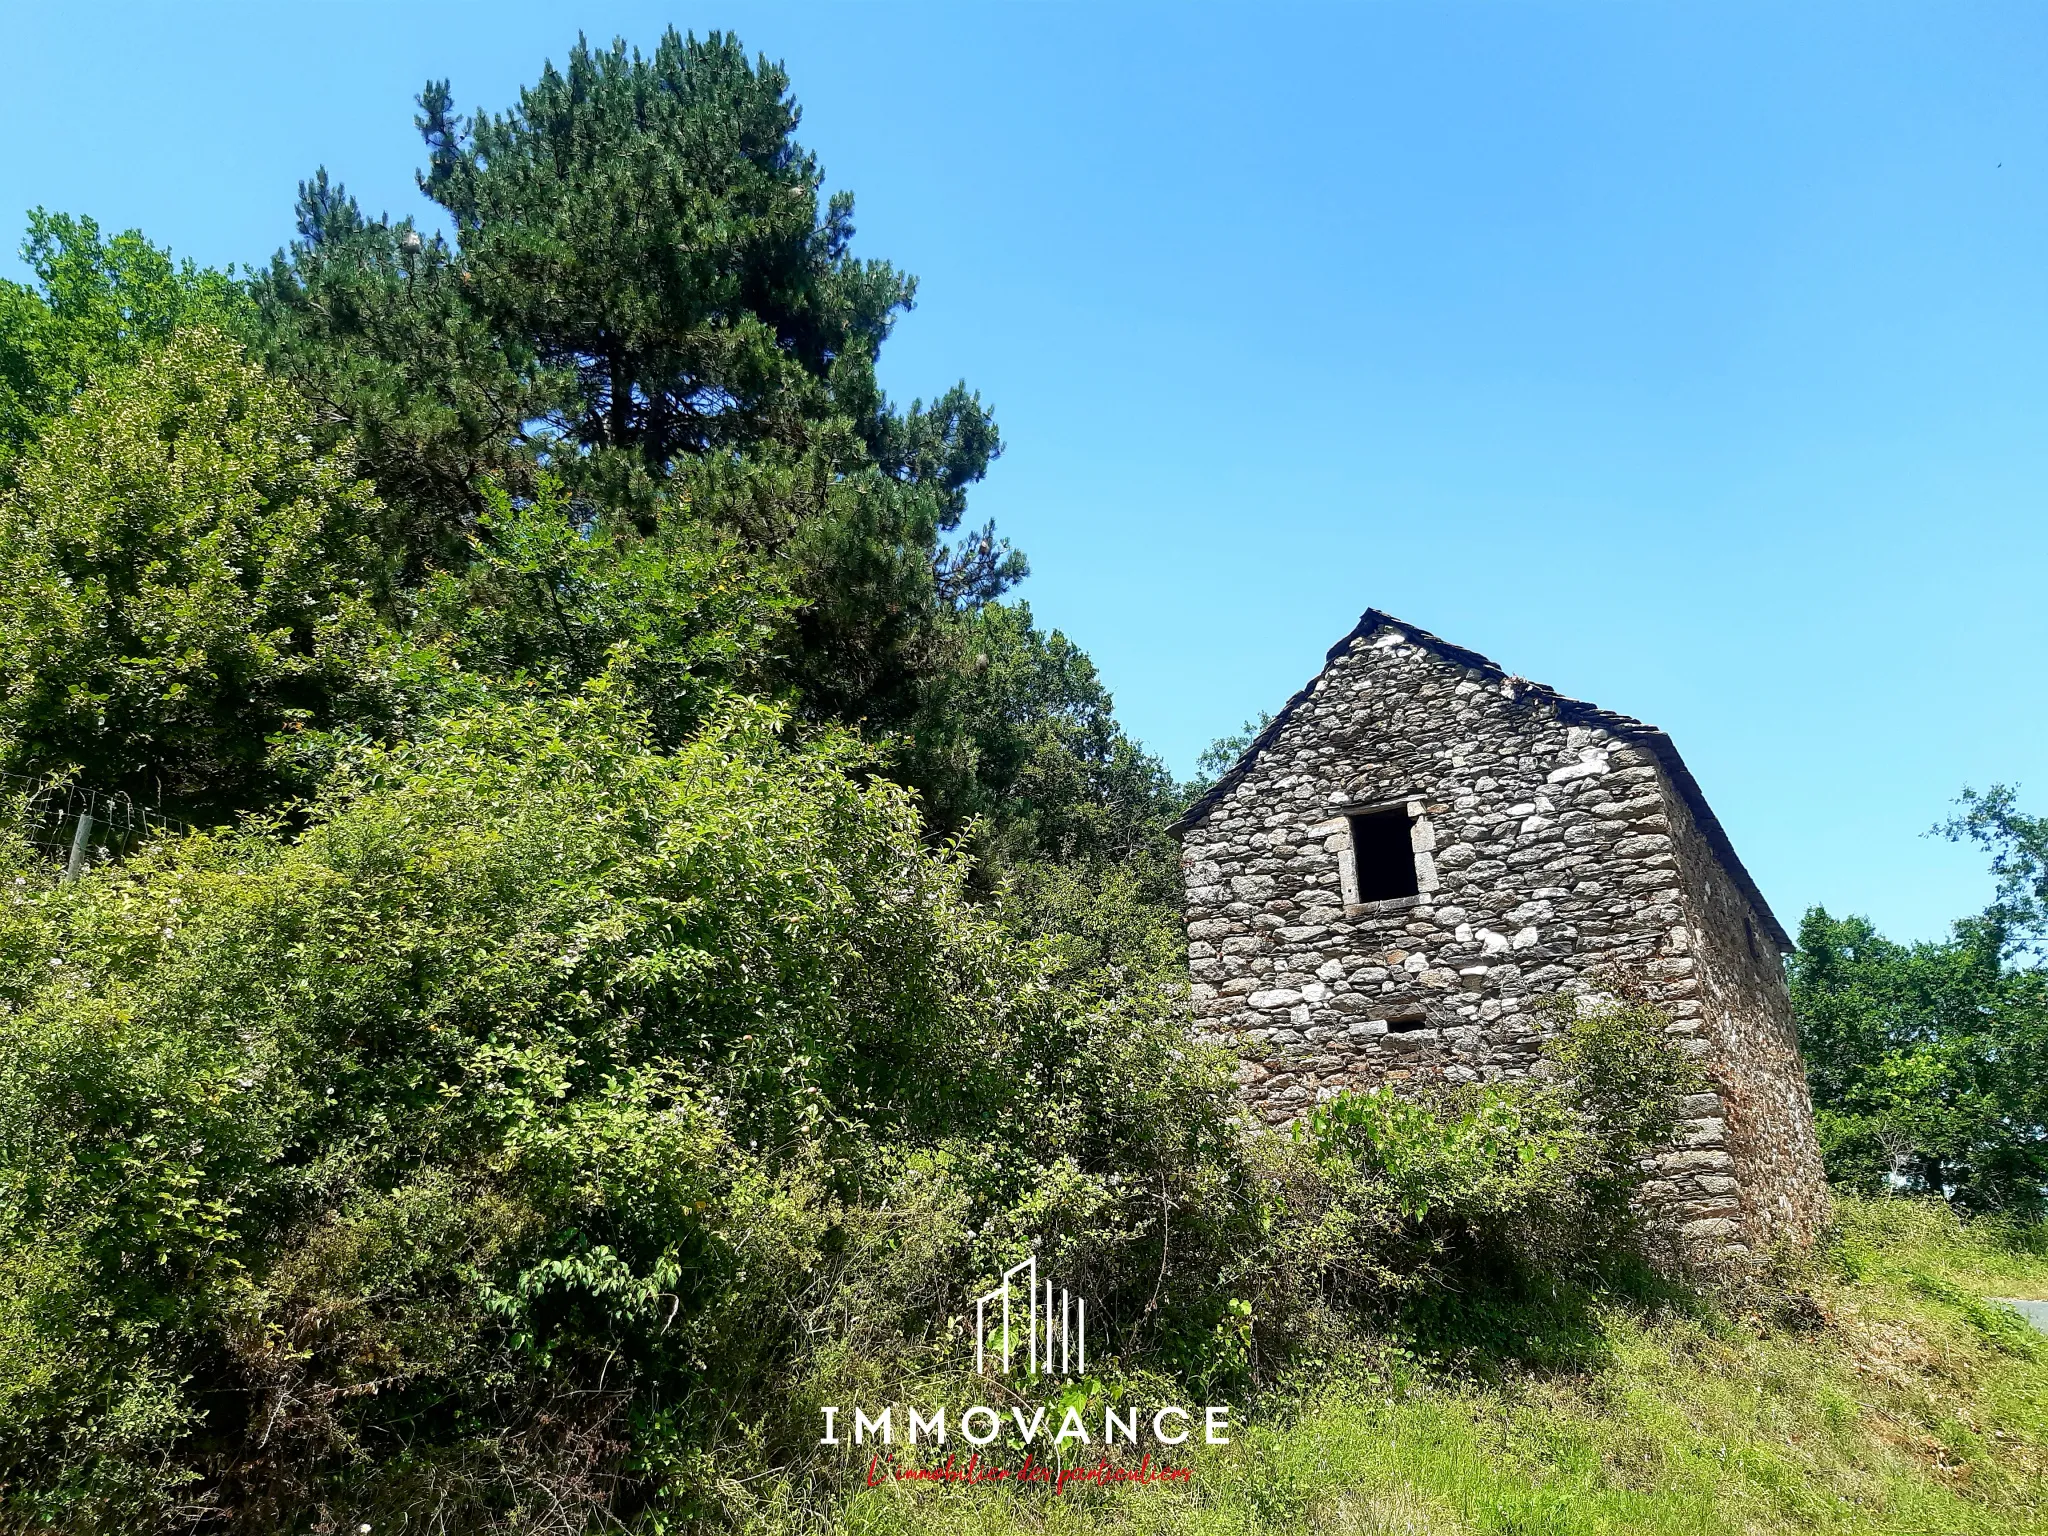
1691 359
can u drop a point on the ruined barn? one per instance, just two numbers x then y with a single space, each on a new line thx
1421 846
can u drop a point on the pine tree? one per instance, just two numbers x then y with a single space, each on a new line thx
649 295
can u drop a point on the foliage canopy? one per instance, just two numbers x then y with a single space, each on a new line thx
649 296
98 304
182 577
1929 1062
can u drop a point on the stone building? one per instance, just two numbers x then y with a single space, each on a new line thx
1421 846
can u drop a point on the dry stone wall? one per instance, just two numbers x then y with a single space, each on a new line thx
1771 1189
1551 849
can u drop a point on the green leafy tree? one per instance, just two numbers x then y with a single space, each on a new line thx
1221 755
1019 752
97 303
1024 736
559 593
182 576
652 225
1929 1062
2017 919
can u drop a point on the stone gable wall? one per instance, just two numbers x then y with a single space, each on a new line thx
1546 853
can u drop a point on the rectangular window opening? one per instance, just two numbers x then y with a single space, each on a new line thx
1384 855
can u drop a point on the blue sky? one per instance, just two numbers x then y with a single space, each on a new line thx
1690 359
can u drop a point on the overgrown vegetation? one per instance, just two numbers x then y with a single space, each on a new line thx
1520 1181
1874 1392
1929 1062
541 1130
672 932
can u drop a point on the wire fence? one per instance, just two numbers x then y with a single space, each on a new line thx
80 827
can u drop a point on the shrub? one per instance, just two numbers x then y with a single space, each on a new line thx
541 1130
1533 1176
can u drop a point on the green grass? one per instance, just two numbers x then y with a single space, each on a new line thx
1902 1403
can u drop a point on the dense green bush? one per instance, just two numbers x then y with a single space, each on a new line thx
500 1131
1528 1177
181 577
556 1120
556 592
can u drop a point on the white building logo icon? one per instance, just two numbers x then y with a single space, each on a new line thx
1054 1323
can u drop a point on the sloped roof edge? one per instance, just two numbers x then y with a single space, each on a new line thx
1571 711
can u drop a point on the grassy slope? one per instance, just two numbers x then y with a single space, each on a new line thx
1915 1408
